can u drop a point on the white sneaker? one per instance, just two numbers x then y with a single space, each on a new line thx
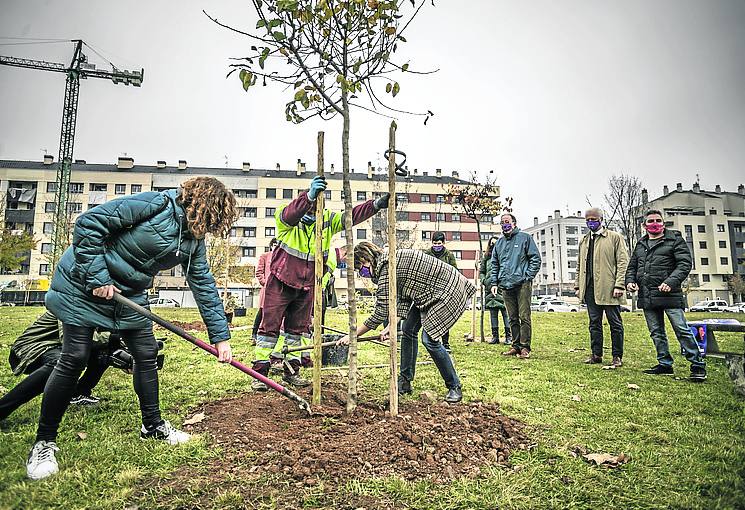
165 432
41 462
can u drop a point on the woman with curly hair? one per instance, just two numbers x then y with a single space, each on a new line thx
120 246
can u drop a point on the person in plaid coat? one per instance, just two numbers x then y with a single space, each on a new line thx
431 295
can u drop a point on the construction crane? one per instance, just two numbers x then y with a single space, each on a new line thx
78 69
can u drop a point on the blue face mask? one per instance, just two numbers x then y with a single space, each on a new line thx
308 219
365 272
594 225
438 248
507 228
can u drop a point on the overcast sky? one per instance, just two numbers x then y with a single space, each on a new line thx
553 97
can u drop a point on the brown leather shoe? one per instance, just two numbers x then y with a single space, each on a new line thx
593 360
617 363
511 352
524 354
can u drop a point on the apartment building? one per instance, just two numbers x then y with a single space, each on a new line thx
713 224
27 189
558 240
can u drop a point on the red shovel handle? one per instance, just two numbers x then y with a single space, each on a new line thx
302 403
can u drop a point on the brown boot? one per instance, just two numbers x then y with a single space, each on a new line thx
593 360
511 352
617 363
524 354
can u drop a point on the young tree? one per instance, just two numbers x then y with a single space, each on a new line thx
478 200
14 248
334 55
623 202
736 284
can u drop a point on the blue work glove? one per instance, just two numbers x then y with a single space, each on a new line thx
382 201
317 185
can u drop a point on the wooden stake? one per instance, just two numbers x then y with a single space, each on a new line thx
393 291
318 289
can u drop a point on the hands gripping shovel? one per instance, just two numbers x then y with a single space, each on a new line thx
301 403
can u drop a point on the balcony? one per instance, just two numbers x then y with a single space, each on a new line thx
19 215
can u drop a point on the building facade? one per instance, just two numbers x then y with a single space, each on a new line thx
557 239
713 225
27 190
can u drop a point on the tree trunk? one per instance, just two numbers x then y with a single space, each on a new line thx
476 279
351 288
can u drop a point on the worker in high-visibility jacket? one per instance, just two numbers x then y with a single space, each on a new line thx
288 294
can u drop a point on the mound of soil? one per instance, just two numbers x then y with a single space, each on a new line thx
428 440
187 326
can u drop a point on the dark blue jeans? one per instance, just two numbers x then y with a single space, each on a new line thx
656 324
409 350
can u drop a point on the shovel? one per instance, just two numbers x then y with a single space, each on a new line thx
301 403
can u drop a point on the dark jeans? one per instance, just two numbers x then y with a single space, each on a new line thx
76 347
656 324
517 301
38 374
409 350
257 322
613 314
494 317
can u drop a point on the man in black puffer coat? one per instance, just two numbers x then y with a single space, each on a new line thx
658 267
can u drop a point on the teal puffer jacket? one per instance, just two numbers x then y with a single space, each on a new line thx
126 242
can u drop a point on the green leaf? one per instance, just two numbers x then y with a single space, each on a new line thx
405 67
247 78
396 89
300 94
260 23
388 87
279 36
275 23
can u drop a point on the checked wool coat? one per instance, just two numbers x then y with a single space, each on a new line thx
436 288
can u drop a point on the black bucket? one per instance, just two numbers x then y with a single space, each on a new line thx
239 312
335 355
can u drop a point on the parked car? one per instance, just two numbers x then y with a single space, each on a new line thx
163 303
712 305
538 301
556 305
737 308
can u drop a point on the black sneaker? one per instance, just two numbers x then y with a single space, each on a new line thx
454 395
404 387
85 400
659 370
698 374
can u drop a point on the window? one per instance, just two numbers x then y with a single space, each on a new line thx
426 235
572 241
572 230
402 235
249 251
361 195
267 249
724 261
702 245
720 228
49 207
269 212
120 189
361 233
74 207
48 227
455 217
705 278
425 199
135 188
712 211
440 199
440 216
402 197
572 264
327 194
76 187
704 261
722 244
269 231
249 232
233 232
426 216
286 193
402 216
94 186
271 193
458 254
702 229
456 236
46 248
252 193
51 187
485 236
249 212
43 268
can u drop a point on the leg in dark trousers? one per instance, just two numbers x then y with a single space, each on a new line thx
144 349
494 319
409 347
613 314
595 313
93 373
523 304
61 385
257 322
510 302
506 322
33 385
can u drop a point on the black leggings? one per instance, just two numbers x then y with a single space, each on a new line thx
38 374
257 321
76 347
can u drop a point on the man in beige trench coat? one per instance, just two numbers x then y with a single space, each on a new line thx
601 269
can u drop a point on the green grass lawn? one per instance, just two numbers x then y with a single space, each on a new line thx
686 441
